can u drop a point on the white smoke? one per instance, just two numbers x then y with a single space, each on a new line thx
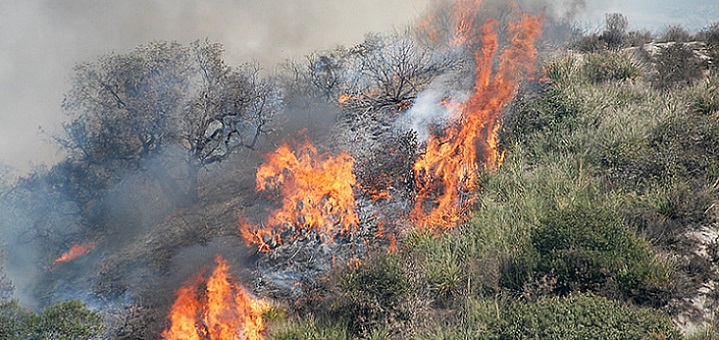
433 107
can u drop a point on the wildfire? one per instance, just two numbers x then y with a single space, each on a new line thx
345 97
75 252
216 309
317 196
448 171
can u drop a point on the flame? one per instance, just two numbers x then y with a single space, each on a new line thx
345 97
448 171
75 252
463 19
219 309
317 196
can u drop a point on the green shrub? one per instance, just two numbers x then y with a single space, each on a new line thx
587 248
609 66
374 295
549 110
586 316
63 321
309 329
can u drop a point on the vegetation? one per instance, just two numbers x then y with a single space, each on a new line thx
63 321
582 232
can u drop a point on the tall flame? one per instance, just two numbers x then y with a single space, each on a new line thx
218 309
75 252
448 171
316 191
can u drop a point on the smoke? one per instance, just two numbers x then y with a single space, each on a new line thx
41 41
433 107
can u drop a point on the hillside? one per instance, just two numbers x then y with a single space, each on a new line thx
463 179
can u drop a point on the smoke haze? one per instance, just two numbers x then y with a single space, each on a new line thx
41 41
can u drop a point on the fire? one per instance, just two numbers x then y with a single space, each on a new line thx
463 19
216 309
316 196
75 252
447 172
345 97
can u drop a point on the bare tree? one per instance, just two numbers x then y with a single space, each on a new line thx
383 70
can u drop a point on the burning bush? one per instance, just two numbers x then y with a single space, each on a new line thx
217 309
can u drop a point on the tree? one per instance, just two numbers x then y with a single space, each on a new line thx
384 70
126 109
615 30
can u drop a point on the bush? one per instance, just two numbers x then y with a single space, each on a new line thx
609 66
374 295
675 33
62 321
710 35
676 65
309 329
615 30
587 248
589 43
586 316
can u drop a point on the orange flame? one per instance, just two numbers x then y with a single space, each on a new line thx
345 97
463 19
222 310
75 252
448 171
317 196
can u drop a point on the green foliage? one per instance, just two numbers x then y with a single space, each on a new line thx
705 99
309 329
12 320
63 321
608 66
373 295
579 316
587 248
586 317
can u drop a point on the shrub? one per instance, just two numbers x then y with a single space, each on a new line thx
609 66
676 65
589 43
548 110
586 316
675 33
309 329
587 248
638 38
374 295
63 321
710 35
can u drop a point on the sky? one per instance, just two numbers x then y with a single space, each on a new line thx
41 41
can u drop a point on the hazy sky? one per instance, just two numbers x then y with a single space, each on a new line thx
41 40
